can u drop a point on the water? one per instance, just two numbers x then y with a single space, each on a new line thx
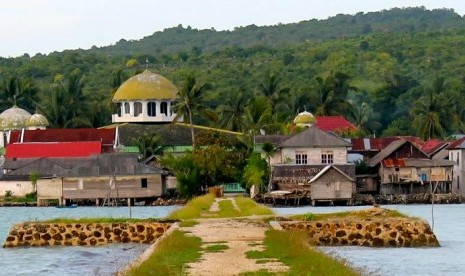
63 260
449 222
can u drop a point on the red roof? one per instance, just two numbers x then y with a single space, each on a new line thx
105 136
431 145
66 149
333 123
378 144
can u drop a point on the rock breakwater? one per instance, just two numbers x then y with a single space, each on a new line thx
84 234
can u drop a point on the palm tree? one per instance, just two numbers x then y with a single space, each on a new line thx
270 88
15 90
190 98
149 145
432 112
67 105
257 115
361 117
332 92
232 111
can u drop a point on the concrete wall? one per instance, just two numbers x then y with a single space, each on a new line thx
84 234
99 187
18 187
314 155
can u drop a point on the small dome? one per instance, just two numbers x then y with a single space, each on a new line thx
13 118
304 118
146 86
36 120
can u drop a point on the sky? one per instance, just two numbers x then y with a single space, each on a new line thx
44 26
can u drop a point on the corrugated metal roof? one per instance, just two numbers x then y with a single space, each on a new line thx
327 168
112 165
105 136
66 149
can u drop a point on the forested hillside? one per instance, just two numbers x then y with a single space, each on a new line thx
396 72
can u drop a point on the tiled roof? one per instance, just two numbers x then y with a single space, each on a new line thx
66 149
333 123
105 136
314 137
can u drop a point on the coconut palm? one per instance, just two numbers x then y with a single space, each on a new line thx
14 90
190 99
270 88
67 105
332 92
149 145
232 111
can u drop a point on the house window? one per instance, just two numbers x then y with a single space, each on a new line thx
137 108
151 109
143 183
458 160
327 157
164 108
301 158
127 108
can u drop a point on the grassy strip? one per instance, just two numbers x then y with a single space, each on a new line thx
227 210
193 208
290 248
216 248
171 255
249 207
188 223
348 214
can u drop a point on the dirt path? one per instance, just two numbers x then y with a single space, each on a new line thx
240 236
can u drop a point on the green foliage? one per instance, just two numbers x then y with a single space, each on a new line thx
148 144
309 217
187 173
8 193
256 172
168 259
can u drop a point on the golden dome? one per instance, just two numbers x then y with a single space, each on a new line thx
37 120
304 118
146 86
13 118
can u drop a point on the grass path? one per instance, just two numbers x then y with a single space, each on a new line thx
238 236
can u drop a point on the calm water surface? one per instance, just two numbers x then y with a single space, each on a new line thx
78 260
449 259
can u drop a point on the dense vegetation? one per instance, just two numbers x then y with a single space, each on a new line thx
394 72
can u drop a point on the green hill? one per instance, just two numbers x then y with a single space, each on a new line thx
393 72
